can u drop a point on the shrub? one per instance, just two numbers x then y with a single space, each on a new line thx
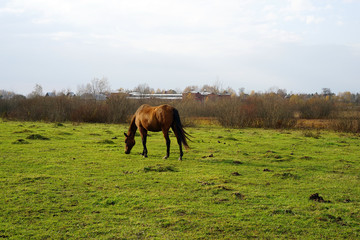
90 111
120 108
269 111
317 107
276 112
346 125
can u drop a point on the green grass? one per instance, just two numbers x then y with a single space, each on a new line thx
65 181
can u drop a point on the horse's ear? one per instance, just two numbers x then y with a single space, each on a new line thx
125 135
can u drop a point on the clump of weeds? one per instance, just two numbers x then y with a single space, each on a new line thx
37 137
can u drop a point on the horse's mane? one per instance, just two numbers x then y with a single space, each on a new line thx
133 127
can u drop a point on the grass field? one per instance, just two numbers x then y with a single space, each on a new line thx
66 181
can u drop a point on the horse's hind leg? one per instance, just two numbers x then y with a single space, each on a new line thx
181 151
166 136
179 142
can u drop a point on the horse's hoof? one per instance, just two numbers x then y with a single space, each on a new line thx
145 156
180 158
166 157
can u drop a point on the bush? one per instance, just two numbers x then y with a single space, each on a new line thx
276 112
121 108
235 113
346 125
317 108
268 111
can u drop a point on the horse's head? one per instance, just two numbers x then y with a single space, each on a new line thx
129 143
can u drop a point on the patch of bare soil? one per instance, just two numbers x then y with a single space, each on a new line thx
317 198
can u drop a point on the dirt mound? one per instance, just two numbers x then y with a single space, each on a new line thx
317 198
37 137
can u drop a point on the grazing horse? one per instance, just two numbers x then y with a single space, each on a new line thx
155 119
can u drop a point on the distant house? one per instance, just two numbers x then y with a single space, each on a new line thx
100 97
53 94
97 97
70 94
50 94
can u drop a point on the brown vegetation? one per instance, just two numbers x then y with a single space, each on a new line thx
266 110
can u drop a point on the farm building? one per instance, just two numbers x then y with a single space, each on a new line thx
167 96
203 96
199 96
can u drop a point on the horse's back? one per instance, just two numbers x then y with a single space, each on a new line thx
143 109
164 114
164 109
155 118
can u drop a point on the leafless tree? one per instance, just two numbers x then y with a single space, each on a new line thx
143 88
38 91
191 89
6 94
95 87
210 88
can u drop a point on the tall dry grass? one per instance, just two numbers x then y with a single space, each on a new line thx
268 110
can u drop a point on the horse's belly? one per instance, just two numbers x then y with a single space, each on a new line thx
153 128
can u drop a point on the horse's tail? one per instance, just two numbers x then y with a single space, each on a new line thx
179 130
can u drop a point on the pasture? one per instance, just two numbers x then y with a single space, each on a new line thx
74 181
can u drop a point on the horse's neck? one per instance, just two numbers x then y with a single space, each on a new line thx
132 128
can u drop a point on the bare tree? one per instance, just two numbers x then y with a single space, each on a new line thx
211 88
191 89
38 91
143 88
327 92
101 85
95 87
230 91
6 94
159 90
282 92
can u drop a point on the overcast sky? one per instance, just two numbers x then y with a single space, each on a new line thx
298 45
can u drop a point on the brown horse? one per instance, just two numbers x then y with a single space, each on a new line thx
156 119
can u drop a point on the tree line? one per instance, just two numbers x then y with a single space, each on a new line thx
272 109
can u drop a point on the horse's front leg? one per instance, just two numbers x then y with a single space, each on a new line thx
166 136
143 134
